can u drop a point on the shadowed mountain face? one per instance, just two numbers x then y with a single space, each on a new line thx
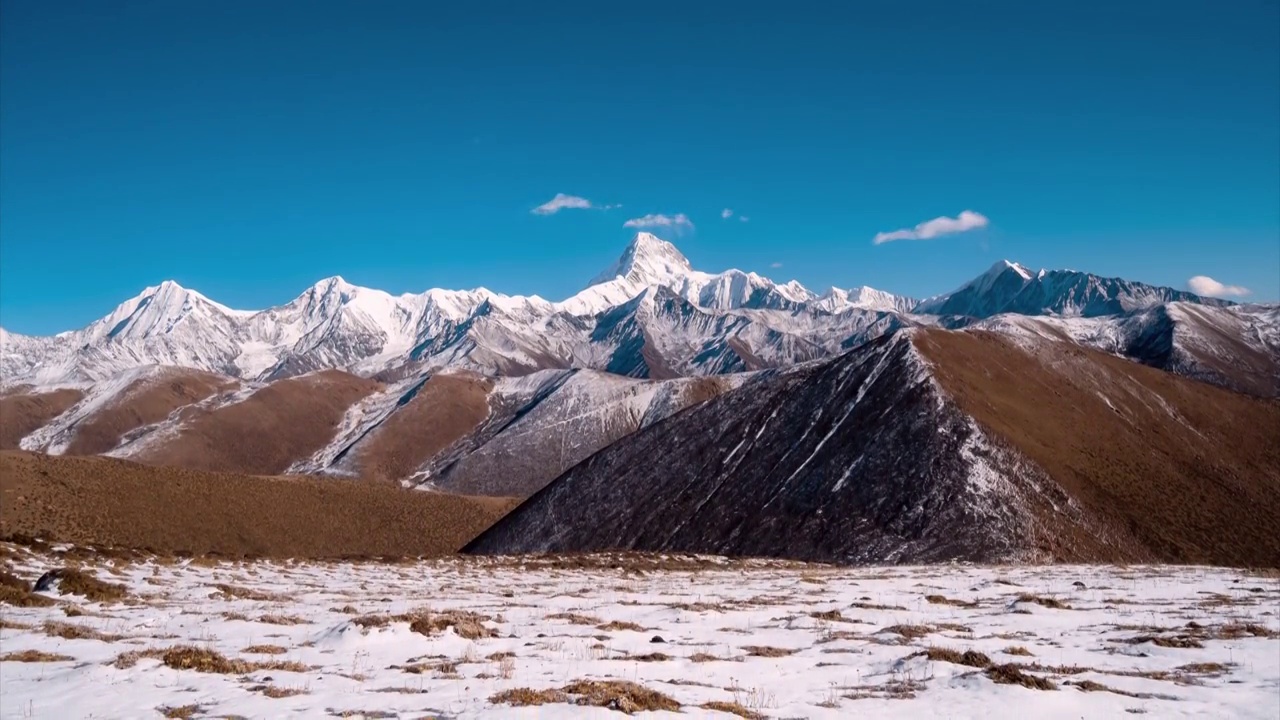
928 446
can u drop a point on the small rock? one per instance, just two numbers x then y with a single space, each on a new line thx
1079 585
657 639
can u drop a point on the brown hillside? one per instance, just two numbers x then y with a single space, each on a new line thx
22 413
445 409
278 425
145 402
1187 471
168 510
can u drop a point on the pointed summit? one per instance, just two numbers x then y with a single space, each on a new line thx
648 260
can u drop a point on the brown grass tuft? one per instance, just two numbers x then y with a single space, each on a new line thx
188 657
616 625
16 597
766 651
264 650
943 600
183 712
574 618
282 620
910 632
466 624
126 660
1016 650
277 692
32 656
235 592
521 697
627 697
1011 674
732 708
1042 601
69 631
972 658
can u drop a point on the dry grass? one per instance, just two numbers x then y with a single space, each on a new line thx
828 615
766 651
617 695
1202 441
910 632
648 657
188 657
732 708
465 623
69 631
1011 674
21 598
522 697
1017 650
277 692
183 712
1042 601
942 600
282 620
616 625
235 592
264 650
574 618
627 697
32 656
972 658
128 659
171 510
1232 631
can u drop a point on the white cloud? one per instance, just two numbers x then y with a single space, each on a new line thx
568 202
775 265
743 218
678 222
937 227
726 213
1205 285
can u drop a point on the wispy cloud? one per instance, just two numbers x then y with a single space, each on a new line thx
726 213
678 222
937 227
775 265
743 218
1205 285
568 202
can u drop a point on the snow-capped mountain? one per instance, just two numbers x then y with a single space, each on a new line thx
650 314
650 298
1008 287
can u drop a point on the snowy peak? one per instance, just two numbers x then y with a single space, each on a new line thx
157 311
836 300
1008 287
649 260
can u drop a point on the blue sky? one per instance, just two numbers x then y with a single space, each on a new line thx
249 149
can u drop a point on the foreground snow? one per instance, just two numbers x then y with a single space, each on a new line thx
774 639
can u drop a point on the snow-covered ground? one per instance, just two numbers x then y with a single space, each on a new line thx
446 638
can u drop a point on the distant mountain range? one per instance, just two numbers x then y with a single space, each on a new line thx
650 315
1046 414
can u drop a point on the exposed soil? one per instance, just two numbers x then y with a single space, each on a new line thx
172 510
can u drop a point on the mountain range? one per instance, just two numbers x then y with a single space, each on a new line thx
1024 414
